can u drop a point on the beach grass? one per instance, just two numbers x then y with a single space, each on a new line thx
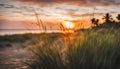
98 49
87 49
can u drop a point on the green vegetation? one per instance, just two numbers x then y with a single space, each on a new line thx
96 49
17 37
25 37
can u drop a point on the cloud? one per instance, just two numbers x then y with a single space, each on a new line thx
6 6
71 2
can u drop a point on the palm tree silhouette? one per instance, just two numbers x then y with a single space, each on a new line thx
95 21
118 17
108 18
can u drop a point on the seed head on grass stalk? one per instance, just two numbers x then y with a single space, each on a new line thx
39 21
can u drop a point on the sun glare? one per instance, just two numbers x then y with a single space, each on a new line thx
69 25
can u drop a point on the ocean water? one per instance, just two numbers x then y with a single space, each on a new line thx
22 31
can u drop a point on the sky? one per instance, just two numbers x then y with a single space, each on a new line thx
20 14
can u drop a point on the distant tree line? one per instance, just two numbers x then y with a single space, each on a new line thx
108 20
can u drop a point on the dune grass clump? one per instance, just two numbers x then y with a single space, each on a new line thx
99 49
47 58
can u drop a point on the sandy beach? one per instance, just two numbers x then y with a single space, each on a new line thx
13 56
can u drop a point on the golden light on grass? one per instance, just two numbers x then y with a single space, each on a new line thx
69 25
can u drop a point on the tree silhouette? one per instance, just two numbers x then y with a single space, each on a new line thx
95 21
108 18
118 17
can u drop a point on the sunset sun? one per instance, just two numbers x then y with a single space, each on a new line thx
69 25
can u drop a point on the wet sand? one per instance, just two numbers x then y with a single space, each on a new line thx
13 56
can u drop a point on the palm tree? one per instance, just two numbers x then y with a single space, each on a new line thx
108 18
95 21
118 17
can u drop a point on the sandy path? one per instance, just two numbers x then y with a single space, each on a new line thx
13 57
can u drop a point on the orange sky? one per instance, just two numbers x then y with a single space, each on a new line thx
18 14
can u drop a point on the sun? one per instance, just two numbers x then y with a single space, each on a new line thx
69 25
